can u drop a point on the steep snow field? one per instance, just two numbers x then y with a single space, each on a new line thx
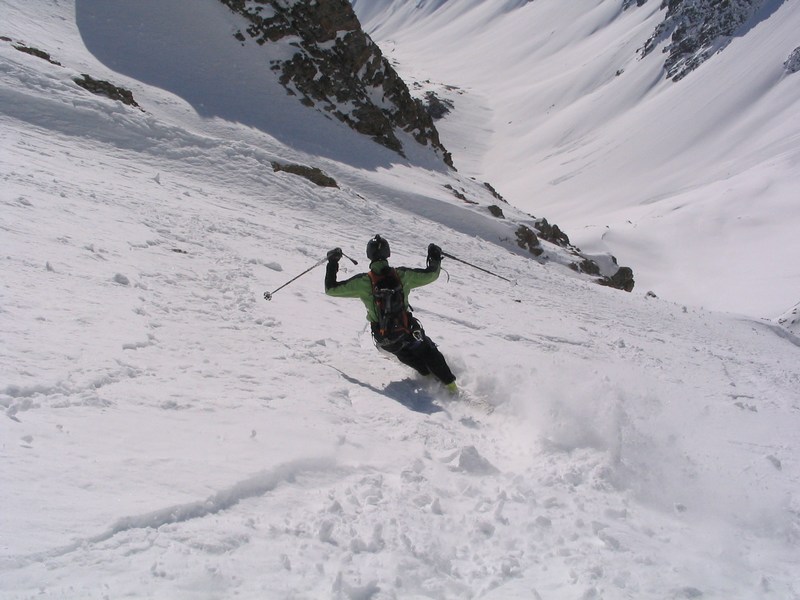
694 185
169 434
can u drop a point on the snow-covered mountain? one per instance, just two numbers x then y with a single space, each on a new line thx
168 433
570 109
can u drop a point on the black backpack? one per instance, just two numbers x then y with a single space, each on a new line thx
393 318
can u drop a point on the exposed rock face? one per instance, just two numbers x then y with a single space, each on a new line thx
792 64
526 238
552 233
494 192
496 211
313 174
436 107
34 52
105 88
338 69
622 279
697 29
586 266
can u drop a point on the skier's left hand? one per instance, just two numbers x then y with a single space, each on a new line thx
434 253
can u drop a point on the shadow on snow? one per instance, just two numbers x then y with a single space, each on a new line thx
406 392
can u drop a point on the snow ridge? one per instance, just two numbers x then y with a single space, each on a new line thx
252 487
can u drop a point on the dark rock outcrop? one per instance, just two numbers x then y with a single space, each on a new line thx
494 192
587 266
313 174
527 239
105 88
459 194
697 29
338 69
622 279
552 233
436 107
35 52
496 211
792 64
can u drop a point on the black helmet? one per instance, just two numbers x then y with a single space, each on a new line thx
378 249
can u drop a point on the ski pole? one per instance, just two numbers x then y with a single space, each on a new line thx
268 295
352 260
475 267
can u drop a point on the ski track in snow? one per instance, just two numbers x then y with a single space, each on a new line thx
638 448
257 485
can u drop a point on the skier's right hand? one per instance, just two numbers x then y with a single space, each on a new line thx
334 255
434 253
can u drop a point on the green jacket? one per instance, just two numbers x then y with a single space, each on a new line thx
360 286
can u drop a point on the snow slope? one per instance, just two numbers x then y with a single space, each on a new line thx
693 184
169 434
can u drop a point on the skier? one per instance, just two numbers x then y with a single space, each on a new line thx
384 291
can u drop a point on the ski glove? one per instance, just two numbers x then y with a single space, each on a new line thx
334 255
434 254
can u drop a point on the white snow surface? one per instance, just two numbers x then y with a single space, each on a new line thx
167 433
695 185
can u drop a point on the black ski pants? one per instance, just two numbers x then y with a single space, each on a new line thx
417 351
426 358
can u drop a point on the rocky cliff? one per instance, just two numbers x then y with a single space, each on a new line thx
336 68
697 29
